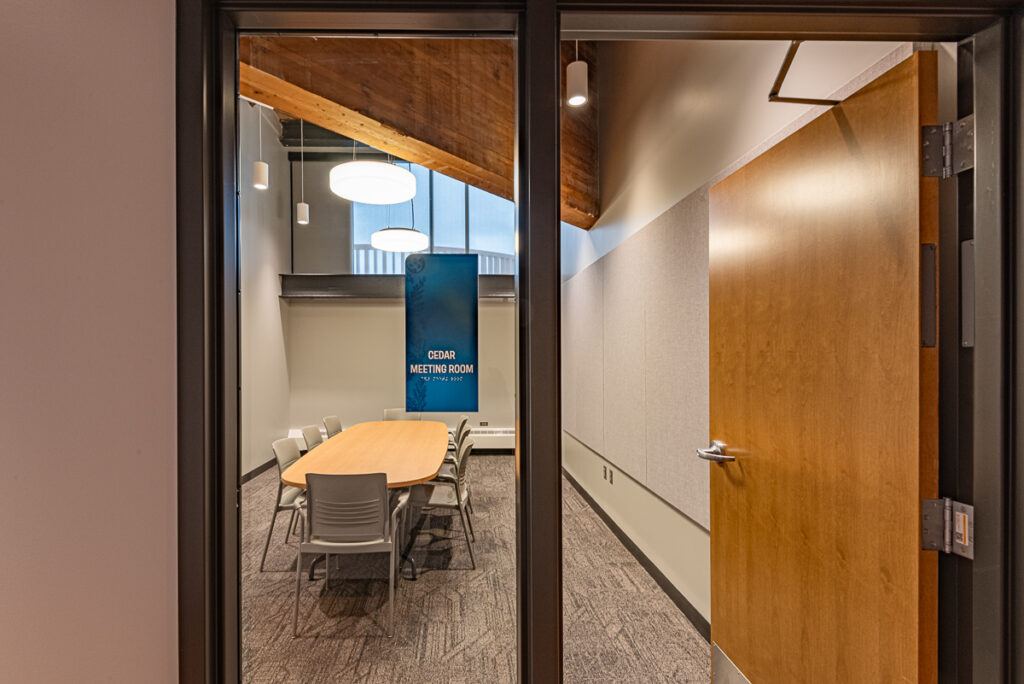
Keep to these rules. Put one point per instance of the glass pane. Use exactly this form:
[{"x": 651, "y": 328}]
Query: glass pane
[
  {"x": 367, "y": 218},
  {"x": 449, "y": 214},
  {"x": 492, "y": 231}
]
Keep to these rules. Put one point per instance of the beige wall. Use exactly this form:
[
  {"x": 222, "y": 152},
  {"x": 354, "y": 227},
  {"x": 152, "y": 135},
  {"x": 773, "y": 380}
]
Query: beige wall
[
  {"x": 87, "y": 342},
  {"x": 347, "y": 357},
  {"x": 264, "y": 220}
]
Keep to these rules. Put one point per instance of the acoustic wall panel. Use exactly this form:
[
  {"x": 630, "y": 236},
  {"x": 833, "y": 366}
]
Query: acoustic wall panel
[
  {"x": 675, "y": 286},
  {"x": 588, "y": 337},
  {"x": 624, "y": 423},
  {"x": 635, "y": 356}
]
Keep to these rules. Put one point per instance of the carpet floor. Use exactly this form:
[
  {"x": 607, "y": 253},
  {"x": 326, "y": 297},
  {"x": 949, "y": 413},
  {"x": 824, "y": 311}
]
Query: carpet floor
[{"x": 455, "y": 624}]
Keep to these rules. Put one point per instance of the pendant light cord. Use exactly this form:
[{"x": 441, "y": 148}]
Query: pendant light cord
[
  {"x": 577, "y": 50},
  {"x": 302, "y": 161},
  {"x": 412, "y": 205},
  {"x": 260, "y": 110}
]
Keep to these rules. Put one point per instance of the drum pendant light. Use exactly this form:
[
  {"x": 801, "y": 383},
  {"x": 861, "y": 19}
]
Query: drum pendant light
[
  {"x": 372, "y": 182},
  {"x": 576, "y": 81},
  {"x": 260, "y": 169},
  {"x": 302, "y": 209},
  {"x": 396, "y": 239}
]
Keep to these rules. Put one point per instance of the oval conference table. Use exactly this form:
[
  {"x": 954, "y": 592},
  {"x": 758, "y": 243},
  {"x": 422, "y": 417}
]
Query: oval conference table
[{"x": 409, "y": 452}]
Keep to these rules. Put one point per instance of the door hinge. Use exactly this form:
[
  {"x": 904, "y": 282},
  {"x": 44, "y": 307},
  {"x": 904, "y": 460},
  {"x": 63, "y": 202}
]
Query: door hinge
[
  {"x": 947, "y": 149},
  {"x": 947, "y": 526}
]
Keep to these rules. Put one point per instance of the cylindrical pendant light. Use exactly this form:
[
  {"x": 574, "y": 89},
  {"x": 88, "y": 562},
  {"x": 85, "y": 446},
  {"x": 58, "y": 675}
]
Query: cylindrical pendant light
[
  {"x": 261, "y": 169},
  {"x": 576, "y": 81},
  {"x": 302, "y": 209}
]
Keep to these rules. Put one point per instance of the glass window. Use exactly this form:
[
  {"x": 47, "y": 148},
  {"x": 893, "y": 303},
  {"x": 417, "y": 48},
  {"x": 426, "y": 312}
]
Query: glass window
[
  {"x": 492, "y": 231},
  {"x": 449, "y": 214},
  {"x": 367, "y": 218}
]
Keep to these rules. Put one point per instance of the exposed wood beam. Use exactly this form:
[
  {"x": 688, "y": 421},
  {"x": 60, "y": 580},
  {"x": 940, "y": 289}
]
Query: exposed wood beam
[
  {"x": 281, "y": 94},
  {"x": 445, "y": 104}
]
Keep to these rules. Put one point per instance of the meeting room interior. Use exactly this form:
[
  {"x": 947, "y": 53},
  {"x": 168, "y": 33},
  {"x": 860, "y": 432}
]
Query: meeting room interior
[{"x": 377, "y": 336}]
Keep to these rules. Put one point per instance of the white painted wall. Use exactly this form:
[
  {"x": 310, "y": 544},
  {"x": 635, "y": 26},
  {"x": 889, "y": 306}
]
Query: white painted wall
[
  {"x": 264, "y": 219},
  {"x": 347, "y": 357},
  {"x": 324, "y": 245},
  {"x": 87, "y": 342}
]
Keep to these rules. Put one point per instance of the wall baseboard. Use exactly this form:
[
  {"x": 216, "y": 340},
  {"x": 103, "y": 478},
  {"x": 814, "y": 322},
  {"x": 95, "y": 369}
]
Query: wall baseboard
[
  {"x": 509, "y": 451},
  {"x": 691, "y": 613},
  {"x": 258, "y": 470}
]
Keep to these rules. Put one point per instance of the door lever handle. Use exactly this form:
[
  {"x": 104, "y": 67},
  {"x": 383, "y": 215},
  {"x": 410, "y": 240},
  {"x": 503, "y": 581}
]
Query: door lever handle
[{"x": 714, "y": 453}]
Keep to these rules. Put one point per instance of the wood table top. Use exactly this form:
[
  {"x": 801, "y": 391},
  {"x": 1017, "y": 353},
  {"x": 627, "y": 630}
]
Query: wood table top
[{"x": 408, "y": 451}]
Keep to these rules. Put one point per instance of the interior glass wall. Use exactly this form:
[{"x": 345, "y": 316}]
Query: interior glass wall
[
  {"x": 673, "y": 118},
  {"x": 441, "y": 108}
]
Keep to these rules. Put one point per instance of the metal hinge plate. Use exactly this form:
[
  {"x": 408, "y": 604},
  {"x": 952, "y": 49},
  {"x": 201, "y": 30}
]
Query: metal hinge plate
[
  {"x": 947, "y": 526},
  {"x": 947, "y": 149}
]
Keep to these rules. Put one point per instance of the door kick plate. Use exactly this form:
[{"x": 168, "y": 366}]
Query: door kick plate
[{"x": 724, "y": 670}]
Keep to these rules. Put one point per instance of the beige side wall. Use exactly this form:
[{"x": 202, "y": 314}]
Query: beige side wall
[
  {"x": 87, "y": 342},
  {"x": 264, "y": 221}
]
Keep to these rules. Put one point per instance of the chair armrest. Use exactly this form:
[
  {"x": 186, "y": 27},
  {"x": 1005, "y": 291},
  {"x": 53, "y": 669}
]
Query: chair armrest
[{"x": 446, "y": 478}]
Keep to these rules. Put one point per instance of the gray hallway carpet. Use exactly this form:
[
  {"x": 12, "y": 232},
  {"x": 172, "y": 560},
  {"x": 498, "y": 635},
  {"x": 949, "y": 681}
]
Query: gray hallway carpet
[{"x": 455, "y": 624}]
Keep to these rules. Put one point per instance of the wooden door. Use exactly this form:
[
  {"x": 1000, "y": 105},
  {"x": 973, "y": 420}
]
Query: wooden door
[{"x": 822, "y": 390}]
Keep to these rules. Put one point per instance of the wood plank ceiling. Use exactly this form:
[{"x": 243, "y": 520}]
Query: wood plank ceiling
[{"x": 446, "y": 104}]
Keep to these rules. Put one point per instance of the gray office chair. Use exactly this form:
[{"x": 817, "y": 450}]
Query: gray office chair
[
  {"x": 333, "y": 425},
  {"x": 289, "y": 498},
  {"x": 311, "y": 435},
  {"x": 455, "y": 439},
  {"x": 348, "y": 514},
  {"x": 450, "y": 489},
  {"x": 400, "y": 414}
]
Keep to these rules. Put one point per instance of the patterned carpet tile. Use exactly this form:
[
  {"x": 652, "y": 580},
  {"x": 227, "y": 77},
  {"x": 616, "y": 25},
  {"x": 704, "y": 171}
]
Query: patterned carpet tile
[{"x": 455, "y": 624}]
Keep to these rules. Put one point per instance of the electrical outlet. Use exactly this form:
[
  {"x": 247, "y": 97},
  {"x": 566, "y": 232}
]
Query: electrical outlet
[
  {"x": 611, "y": 477},
  {"x": 484, "y": 423},
  {"x": 605, "y": 469}
]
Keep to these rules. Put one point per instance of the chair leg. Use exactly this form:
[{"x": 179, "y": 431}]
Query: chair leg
[
  {"x": 298, "y": 586},
  {"x": 465, "y": 528},
  {"x": 270, "y": 531},
  {"x": 472, "y": 534},
  {"x": 469, "y": 504},
  {"x": 291, "y": 526},
  {"x": 391, "y": 591}
]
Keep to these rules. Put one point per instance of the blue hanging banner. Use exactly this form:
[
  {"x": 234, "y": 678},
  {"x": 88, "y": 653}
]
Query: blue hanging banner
[{"x": 441, "y": 300}]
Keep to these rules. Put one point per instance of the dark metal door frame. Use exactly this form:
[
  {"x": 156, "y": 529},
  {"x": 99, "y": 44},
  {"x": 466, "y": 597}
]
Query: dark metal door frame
[{"x": 208, "y": 520}]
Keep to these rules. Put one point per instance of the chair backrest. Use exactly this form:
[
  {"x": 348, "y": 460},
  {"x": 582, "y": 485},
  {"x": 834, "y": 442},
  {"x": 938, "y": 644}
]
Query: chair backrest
[
  {"x": 399, "y": 414},
  {"x": 461, "y": 428},
  {"x": 311, "y": 433},
  {"x": 333, "y": 425},
  {"x": 459, "y": 439},
  {"x": 462, "y": 461},
  {"x": 347, "y": 508},
  {"x": 286, "y": 451}
]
